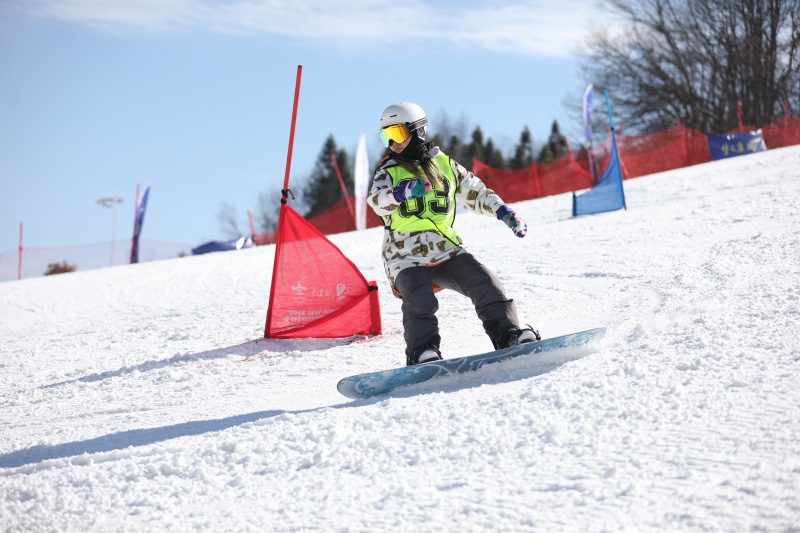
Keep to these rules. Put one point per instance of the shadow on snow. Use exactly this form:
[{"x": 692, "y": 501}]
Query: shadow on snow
[
  {"x": 488, "y": 375},
  {"x": 246, "y": 351}
]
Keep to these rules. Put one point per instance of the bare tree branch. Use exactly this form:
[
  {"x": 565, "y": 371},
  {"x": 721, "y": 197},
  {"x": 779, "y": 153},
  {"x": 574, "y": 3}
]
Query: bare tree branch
[{"x": 694, "y": 59}]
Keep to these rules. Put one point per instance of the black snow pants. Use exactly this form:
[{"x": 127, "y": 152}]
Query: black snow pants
[{"x": 465, "y": 275}]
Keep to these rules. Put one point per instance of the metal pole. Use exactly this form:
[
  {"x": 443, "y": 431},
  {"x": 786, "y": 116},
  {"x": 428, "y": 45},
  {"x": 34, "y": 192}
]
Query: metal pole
[
  {"x": 135, "y": 216},
  {"x": 111, "y": 202},
  {"x": 19, "y": 255}
]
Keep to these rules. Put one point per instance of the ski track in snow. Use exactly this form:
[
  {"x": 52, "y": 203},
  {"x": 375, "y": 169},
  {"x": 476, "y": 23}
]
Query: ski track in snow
[{"x": 145, "y": 398}]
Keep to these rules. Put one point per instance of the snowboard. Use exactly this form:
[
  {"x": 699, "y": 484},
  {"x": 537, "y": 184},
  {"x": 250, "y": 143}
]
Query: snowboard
[{"x": 387, "y": 381}]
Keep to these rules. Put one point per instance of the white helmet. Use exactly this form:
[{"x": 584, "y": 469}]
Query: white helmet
[{"x": 409, "y": 114}]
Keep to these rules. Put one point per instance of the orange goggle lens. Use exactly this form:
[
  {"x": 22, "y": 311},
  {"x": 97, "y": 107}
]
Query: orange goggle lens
[{"x": 397, "y": 133}]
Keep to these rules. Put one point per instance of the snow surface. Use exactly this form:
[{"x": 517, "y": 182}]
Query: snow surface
[{"x": 145, "y": 398}]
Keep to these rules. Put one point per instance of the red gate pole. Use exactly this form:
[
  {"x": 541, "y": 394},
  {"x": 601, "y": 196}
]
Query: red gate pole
[
  {"x": 291, "y": 130},
  {"x": 344, "y": 189},
  {"x": 284, "y": 200},
  {"x": 252, "y": 227}
]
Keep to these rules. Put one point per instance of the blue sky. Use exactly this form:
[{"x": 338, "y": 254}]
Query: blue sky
[{"x": 194, "y": 97}]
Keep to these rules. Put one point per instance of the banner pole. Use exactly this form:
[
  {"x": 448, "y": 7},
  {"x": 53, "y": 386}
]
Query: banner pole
[
  {"x": 135, "y": 216},
  {"x": 19, "y": 258},
  {"x": 615, "y": 147},
  {"x": 587, "y": 126},
  {"x": 284, "y": 200}
]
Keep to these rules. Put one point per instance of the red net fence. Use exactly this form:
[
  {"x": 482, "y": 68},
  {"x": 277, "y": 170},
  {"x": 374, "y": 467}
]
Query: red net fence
[
  {"x": 640, "y": 156},
  {"x": 36, "y": 261},
  {"x": 675, "y": 148},
  {"x": 535, "y": 181},
  {"x": 336, "y": 219}
]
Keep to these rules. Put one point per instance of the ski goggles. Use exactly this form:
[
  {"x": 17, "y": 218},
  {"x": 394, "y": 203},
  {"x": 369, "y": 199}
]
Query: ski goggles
[{"x": 396, "y": 132}]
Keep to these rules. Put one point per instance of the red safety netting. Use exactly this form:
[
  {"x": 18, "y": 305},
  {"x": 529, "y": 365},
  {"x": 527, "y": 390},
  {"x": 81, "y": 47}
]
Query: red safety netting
[
  {"x": 511, "y": 185},
  {"x": 563, "y": 175},
  {"x": 675, "y": 148},
  {"x": 36, "y": 259},
  {"x": 316, "y": 291},
  {"x": 639, "y": 156},
  {"x": 783, "y": 132},
  {"x": 538, "y": 180},
  {"x": 336, "y": 219},
  {"x": 338, "y": 216}
]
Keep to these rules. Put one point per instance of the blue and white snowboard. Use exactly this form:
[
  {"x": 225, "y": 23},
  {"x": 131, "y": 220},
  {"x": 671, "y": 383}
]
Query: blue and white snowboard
[{"x": 377, "y": 383}]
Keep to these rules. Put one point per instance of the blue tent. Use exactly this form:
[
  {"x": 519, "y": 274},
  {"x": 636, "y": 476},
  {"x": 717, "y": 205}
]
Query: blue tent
[
  {"x": 608, "y": 194},
  {"x": 223, "y": 246}
]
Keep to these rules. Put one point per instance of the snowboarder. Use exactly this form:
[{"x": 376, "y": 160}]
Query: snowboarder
[{"x": 414, "y": 191}]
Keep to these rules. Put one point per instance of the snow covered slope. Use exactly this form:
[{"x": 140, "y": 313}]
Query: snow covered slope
[{"x": 144, "y": 398}]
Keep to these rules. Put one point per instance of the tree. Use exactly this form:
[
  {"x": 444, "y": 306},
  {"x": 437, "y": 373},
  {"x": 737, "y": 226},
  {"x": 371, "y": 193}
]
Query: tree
[
  {"x": 448, "y": 136},
  {"x": 694, "y": 59},
  {"x": 475, "y": 148},
  {"x": 485, "y": 152},
  {"x": 322, "y": 189},
  {"x": 555, "y": 147},
  {"x": 456, "y": 148},
  {"x": 229, "y": 221},
  {"x": 269, "y": 209},
  {"x": 60, "y": 268},
  {"x": 523, "y": 152},
  {"x": 493, "y": 156}
]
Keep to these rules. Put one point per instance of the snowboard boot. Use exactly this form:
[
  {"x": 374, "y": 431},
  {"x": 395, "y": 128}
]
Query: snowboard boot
[
  {"x": 516, "y": 336},
  {"x": 425, "y": 354}
]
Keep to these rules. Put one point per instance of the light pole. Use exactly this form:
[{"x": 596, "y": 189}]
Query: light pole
[{"x": 111, "y": 202}]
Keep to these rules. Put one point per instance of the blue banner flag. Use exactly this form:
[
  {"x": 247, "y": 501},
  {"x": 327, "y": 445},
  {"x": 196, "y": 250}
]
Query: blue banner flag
[
  {"x": 608, "y": 193},
  {"x": 725, "y": 146},
  {"x": 587, "y": 114},
  {"x": 587, "y": 127},
  {"x": 137, "y": 228}
]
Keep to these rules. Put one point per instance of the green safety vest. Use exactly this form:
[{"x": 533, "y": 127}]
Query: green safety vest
[{"x": 436, "y": 211}]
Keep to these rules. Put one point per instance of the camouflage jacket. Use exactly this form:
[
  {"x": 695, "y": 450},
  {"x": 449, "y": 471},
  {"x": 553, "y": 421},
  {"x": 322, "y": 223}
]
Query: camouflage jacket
[{"x": 432, "y": 243}]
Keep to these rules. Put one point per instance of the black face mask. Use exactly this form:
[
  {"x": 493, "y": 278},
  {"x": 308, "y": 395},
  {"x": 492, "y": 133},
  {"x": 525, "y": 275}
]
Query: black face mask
[{"x": 415, "y": 150}]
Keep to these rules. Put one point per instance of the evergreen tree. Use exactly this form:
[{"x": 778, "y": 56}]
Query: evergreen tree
[
  {"x": 493, "y": 156},
  {"x": 555, "y": 147},
  {"x": 229, "y": 221},
  {"x": 456, "y": 150},
  {"x": 269, "y": 206},
  {"x": 523, "y": 153},
  {"x": 448, "y": 137},
  {"x": 546, "y": 154},
  {"x": 436, "y": 140},
  {"x": 475, "y": 148},
  {"x": 322, "y": 188}
]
